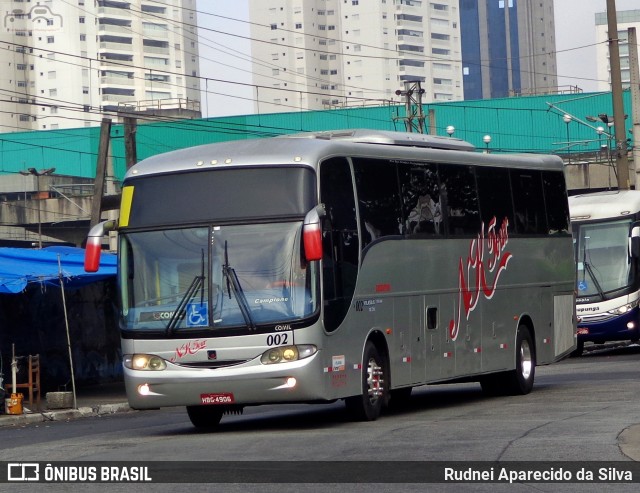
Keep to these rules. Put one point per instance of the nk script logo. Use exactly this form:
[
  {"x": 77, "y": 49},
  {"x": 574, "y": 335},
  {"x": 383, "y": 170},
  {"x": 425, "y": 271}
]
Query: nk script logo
[{"x": 23, "y": 471}]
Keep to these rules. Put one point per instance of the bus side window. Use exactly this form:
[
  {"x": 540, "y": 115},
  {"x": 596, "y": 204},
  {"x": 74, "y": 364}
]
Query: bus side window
[
  {"x": 494, "y": 194},
  {"x": 378, "y": 199},
  {"x": 340, "y": 240},
  {"x": 528, "y": 199},
  {"x": 555, "y": 199},
  {"x": 421, "y": 199},
  {"x": 459, "y": 200}
]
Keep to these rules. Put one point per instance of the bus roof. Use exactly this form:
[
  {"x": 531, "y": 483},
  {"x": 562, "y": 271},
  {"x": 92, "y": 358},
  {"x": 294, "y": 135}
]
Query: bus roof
[
  {"x": 310, "y": 147},
  {"x": 610, "y": 204}
]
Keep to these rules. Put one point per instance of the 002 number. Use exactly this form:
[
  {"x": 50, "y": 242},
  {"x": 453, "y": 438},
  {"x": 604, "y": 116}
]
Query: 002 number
[{"x": 278, "y": 339}]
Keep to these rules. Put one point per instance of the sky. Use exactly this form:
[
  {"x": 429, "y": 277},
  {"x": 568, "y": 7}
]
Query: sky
[{"x": 225, "y": 58}]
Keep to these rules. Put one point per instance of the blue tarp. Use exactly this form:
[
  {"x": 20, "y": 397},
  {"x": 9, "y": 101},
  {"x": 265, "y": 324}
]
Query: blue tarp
[{"x": 20, "y": 266}]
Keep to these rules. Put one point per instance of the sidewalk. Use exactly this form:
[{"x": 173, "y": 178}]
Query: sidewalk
[{"x": 90, "y": 401}]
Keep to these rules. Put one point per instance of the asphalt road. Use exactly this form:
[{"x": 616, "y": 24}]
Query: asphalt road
[{"x": 576, "y": 412}]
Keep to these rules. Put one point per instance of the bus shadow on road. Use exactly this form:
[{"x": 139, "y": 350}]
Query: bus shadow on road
[
  {"x": 611, "y": 349},
  {"x": 303, "y": 417}
]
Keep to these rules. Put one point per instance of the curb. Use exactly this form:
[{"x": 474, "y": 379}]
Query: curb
[
  {"x": 629, "y": 442},
  {"x": 63, "y": 414}
]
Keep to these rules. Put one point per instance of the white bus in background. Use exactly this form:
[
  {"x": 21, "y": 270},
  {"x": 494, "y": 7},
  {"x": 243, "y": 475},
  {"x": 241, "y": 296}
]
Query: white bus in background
[
  {"x": 606, "y": 232},
  {"x": 349, "y": 265}
]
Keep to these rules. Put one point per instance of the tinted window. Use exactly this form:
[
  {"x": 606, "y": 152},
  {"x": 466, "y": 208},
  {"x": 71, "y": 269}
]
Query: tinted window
[
  {"x": 494, "y": 193},
  {"x": 528, "y": 200},
  {"x": 459, "y": 201},
  {"x": 420, "y": 199},
  {"x": 221, "y": 195},
  {"x": 340, "y": 240},
  {"x": 378, "y": 199},
  {"x": 555, "y": 198}
]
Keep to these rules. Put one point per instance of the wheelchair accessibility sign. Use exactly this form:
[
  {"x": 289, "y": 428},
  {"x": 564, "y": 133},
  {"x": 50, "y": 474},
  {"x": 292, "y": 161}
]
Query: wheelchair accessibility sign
[{"x": 197, "y": 314}]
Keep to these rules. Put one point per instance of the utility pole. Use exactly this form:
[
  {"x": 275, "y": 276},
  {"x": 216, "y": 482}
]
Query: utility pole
[
  {"x": 130, "y": 150},
  {"x": 635, "y": 99},
  {"x": 101, "y": 168},
  {"x": 622, "y": 162},
  {"x": 414, "y": 115}
]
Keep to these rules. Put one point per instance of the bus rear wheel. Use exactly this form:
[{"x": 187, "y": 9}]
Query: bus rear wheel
[
  {"x": 205, "y": 417},
  {"x": 520, "y": 380},
  {"x": 375, "y": 377}
]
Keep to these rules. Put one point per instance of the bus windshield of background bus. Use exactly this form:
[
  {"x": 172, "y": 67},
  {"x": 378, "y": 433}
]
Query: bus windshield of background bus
[
  {"x": 253, "y": 274},
  {"x": 603, "y": 260}
]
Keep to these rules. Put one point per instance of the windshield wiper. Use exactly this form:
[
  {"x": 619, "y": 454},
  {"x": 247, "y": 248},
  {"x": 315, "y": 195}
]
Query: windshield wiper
[
  {"x": 592, "y": 274},
  {"x": 233, "y": 284},
  {"x": 196, "y": 284}
]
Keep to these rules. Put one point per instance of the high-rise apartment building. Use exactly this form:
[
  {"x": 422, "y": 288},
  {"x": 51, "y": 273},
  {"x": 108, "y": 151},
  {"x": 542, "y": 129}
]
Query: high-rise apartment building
[
  {"x": 626, "y": 19},
  {"x": 508, "y": 48},
  {"x": 319, "y": 54},
  {"x": 64, "y": 62}
]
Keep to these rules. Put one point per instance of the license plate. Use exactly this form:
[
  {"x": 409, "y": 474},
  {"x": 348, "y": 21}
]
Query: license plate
[{"x": 217, "y": 399}]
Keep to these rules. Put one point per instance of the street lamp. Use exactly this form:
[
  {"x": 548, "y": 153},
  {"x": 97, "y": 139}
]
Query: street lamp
[
  {"x": 38, "y": 174},
  {"x": 567, "y": 119},
  {"x": 487, "y": 140},
  {"x": 450, "y": 130}
]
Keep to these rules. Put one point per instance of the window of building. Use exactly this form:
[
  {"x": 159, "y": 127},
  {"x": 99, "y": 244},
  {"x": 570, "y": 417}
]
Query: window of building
[
  {"x": 409, "y": 17},
  {"x": 443, "y": 37},
  {"x": 153, "y": 9},
  {"x": 50, "y": 39}
]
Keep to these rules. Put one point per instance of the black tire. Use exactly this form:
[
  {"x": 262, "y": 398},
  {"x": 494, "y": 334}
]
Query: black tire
[
  {"x": 579, "y": 349},
  {"x": 205, "y": 417},
  {"x": 518, "y": 381},
  {"x": 375, "y": 377}
]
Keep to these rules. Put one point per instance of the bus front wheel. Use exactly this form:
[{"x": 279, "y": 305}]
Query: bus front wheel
[
  {"x": 205, "y": 417},
  {"x": 375, "y": 377}
]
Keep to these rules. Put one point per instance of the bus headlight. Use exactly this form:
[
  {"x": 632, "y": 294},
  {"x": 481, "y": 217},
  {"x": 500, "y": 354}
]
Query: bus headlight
[
  {"x": 621, "y": 310},
  {"x": 286, "y": 354},
  {"x": 145, "y": 362}
]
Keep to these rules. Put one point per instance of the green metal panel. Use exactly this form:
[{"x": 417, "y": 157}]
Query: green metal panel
[{"x": 522, "y": 124}]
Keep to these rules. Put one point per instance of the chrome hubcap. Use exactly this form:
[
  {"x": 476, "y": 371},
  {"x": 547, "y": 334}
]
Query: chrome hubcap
[
  {"x": 375, "y": 382},
  {"x": 526, "y": 360}
]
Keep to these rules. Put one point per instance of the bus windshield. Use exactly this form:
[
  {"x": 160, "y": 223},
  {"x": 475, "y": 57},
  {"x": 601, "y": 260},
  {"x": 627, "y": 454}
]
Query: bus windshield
[
  {"x": 603, "y": 260},
  {"x": 215, "y": 277}
]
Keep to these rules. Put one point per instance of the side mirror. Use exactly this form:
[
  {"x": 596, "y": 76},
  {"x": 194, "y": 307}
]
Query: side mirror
[
  {"x": 312, "y": 234},
  {"x": 94, "y": 245}
]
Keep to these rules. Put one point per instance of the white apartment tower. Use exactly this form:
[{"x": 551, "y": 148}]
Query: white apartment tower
[
  {"x": 626, "y": 19},
  {"x": 66, "y": 62},
  {"x": 319, "y": 54}
]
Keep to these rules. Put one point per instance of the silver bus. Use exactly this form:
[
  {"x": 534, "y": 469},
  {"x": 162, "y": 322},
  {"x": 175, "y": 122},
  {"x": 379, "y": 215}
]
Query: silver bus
[
  {"x": 349, "y": 265},
  {"x": 606, "y": 230}
]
